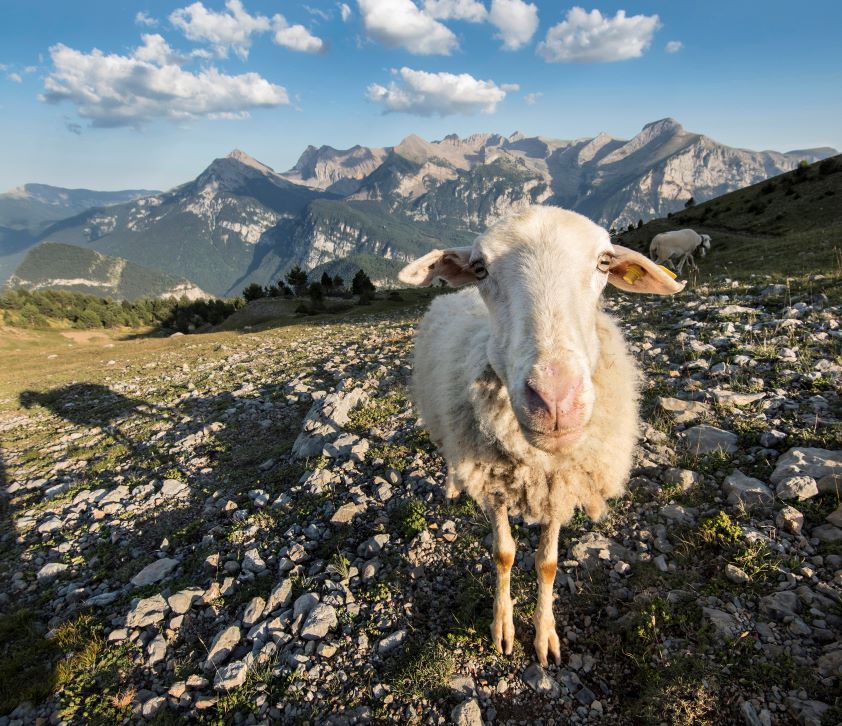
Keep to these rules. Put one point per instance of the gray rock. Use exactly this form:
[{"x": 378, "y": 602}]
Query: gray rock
[
  {"x": 151, "y": 707},
  {"x": 320, "y": 620},
  {"x": 231, "y": 676},
  {"x": 254, "y": 611},
  {"x": 683, "y": 478},
  {"x": 156, "y": 651},
  {"x": 467, "y": 713},
  {"x": 830, "y": 664},
  {"x": 104, "y": 598},
  {"x": 174, "y": 489},
  {"x": 678, "y": 513},
  {"x": 50, "y": 571},
  {"x": 835, "y": 517},
  {"x": 683, "y": 411},
  {"x": 391, "y": 642},
  {"x": 183, "y": 600},
  {"x": 372, "y": 547},
  {"x": 827, "y": 533},
  {"x": 736, "y": 575},
  {"x": 724, "y": 624},
  {"x": 154, "y": 572},
  {"x": 593, "y": 547},
  {"x": 252, "y": 561},
  {"x": 222, "y": 645},
  {"x": 732, "y": 398},
  {"x": 304, "y": 604},
  {"x": 280, "y": 596},
  {"x": 463, "y": 686},
  {"x": 779, "y": 605},
  {"x": 540, "y": 681},
  {"x": 770, "y": 439},
  {"x": 790, "y": 520},
  {"x": 817, "y": 463},
  {"x": 147, "y": 611},
  {"x": 704, "y": 439},
  {"x": 346, "y": 513},
  {"x": 741, "y": 488},
  {"x": 797, "y": 487}
]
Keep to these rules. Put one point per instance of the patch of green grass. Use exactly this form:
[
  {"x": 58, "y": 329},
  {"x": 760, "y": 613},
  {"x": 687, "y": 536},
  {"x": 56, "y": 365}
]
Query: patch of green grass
[
  {"x": 423, "y": 670},
  {"x": 26, "y": 661},
  {"x": 376, "y": 411},
  {"x": 410, "y": 518}
]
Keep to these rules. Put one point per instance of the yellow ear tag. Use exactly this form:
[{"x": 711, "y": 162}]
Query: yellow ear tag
[
  {"x": 633, "y": 274},
  {"x": 668, "y": 271}
]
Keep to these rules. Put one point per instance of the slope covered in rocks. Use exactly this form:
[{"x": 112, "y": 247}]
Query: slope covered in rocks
[{"x": 250, "y": 527}]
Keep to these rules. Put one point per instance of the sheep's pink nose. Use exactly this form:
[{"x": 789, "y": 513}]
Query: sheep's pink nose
[{"x": 553, "y": 394}]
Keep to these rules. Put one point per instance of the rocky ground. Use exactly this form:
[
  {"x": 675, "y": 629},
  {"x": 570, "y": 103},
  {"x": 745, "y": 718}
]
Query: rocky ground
[{"x": 254, "y": 531}]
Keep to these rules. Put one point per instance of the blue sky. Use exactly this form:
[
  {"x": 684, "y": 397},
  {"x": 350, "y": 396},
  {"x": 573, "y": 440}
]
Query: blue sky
[{"x": 108, "y": 95}]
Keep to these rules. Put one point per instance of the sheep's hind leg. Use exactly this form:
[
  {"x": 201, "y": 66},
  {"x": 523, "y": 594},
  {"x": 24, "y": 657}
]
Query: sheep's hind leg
[
  {"x": 546, "y": 564},
  {"x": 502, "y": 627}
]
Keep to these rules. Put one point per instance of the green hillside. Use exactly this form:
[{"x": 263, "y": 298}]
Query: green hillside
[
  {"x": 377, "y": 268},
  {"x": 51, "y": 265},
  {"x": 790, "y": 224}
]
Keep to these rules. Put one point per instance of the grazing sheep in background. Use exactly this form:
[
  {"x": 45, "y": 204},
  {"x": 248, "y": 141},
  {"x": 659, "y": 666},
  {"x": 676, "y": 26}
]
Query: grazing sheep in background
[
  {"x": 681, "y": 244},
  {"x": 527, "y": 386}
]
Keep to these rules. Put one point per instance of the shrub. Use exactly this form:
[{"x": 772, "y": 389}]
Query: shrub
[
  {"x": 297, "y": 280},
  {"x": 253, "y": 292},
  {"x": 362, "y": 283}
]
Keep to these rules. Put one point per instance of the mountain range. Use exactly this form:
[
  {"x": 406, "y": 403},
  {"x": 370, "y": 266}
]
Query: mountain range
[{"x": 374, "y": 208}]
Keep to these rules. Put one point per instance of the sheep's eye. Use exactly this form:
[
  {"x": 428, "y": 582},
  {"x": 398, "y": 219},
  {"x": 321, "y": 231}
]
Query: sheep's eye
[
  {"x": 604, "y": 263},
  {"x": 478, "y": 268}
]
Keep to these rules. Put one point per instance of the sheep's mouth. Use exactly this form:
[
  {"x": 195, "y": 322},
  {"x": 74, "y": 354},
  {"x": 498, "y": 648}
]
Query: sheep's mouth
[{"x": 553, "y": 439}]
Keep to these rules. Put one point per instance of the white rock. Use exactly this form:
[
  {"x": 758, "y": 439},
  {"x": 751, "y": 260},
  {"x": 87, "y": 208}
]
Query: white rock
[
  {"x": 51, "y": 571},
  {"x": 704, "y": 439},
  {"x": 797, "y": 487},
  {"x": 224, "y": 642},
  {"x": 253, "y": 611},
  {"x": 741, "y": 488},
  {"x": 147, "y": 611},
  {"x": 320, "y": 620},
  {"x": 183, "y": 600},
  {"x": 154, "y": 572},
  {"x": 817, "y": 463},
  {"x": 391, "y": 642},
  {"x": 467, "y": 713},
  {"x": 231, "y": 676}
]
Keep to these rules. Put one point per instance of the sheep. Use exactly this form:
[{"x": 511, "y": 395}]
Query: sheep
[
  {"x": 526, "y": 386},
  {"x": 681, "y": 243}
]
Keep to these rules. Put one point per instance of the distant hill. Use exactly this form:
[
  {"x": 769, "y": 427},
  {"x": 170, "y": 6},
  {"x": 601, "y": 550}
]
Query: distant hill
[
  {"x": 789, "y": 224},
  {"x": 29, "y": 209},
  {"x": 66, "y": 267}
]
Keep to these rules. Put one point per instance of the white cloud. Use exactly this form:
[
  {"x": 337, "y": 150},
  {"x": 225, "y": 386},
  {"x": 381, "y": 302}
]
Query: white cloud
[
  {"x": 674, "y": 46},
  {"x": 470, "y": 10},
  {"x": 30, "y": 69},
  {"x": 530, "y": 99},
  {"x": 295, "y": 37},
  {"x": 143, "y": 18},
  {"x": 223, "y": 31},
  {"x": 345, "y": 11},
  {"x": 399, "y": 23},
  {"x": 116, "y": 90},
  {"x": 515, "y": 20},
  {"x": 590, "y": 37},
  {"x": 15, "y": 78},
  {"x": 442, "y": 94}
]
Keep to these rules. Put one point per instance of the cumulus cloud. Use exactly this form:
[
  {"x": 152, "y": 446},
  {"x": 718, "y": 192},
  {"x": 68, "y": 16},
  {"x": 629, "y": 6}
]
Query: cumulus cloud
[
  {"x": 143, "y": 18},
  {"x": 345, "y": 12},
  {"x": 399, "y": 23},
  {"x": 515, "y": 20},
  {"x": 530, "y": 99},
  {"x": 441, "y": 94},
  {"x": 295, "y": 37},
  {"x": 590, "y": 37},
  {"x": 674, "y": 46},
  {"x": 224, "y": 31},
  {"x": 470, "y": 10},
  {"x": 149, "y": 84},
  {"x": 15, "y": 78},
  {"x": 30, "y": 69}
]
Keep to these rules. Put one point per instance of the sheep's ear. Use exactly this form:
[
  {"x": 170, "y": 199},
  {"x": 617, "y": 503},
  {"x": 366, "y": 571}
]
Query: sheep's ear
[
  {"x": 449, "y": 265},
  {"x": 633, "y": 272}
]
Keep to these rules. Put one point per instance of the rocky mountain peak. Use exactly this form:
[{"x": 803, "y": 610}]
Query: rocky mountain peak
[{"x": 244, "y": 158}]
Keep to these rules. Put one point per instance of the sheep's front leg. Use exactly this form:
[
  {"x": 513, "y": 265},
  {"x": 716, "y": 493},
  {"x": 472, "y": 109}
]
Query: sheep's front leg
[
  {"x": 502, "y": 627},
  {"x": 546, "y": 564}
]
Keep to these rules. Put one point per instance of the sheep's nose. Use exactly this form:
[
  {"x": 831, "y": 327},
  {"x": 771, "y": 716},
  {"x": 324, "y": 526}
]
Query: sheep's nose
[{"x": 553, "y": 393}]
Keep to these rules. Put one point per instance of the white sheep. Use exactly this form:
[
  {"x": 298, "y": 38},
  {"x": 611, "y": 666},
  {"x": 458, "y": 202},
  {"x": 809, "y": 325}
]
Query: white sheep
[
  {"x": 679, "y": 244},
  {"x": 526, "y": 385}
]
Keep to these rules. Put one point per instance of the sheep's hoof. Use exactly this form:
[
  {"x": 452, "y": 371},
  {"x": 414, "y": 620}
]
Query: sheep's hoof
[
  {"x": 503, "y": 634},
  {"x": 546, "y": 642}
]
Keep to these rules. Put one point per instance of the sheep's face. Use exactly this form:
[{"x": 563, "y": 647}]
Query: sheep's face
[
  {"x": 704, "y": 247},
  {"x": 541, "y": 275}
]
